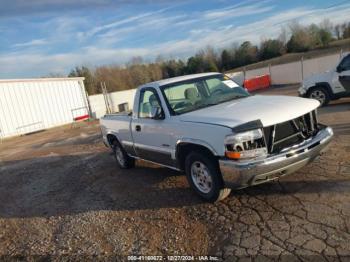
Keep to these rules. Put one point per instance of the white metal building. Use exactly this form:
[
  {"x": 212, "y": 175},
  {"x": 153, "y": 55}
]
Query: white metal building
[{"x": 29, "y": 105}]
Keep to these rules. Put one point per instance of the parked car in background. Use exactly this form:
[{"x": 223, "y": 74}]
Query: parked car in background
[
  {"x": 216, "y": 132},
  {"x": 330, "y": 85}
]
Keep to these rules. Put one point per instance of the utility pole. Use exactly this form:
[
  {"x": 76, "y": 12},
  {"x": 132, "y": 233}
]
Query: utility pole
[{"x": 302, "y": 68}]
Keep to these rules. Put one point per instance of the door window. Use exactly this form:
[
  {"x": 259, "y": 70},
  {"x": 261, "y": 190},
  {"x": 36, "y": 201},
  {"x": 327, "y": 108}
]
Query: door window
[
  {"x": 345, "y": 64},
  {"x": 148, "y": 100}
]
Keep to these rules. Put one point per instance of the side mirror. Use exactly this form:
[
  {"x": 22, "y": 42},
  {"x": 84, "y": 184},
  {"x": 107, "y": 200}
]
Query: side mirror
[
  {"x": 339, "y": 68},
  {"x": 156, "y": 113}
]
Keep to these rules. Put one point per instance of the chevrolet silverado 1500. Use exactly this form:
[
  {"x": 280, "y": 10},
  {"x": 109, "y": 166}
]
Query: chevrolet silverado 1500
[{"x": 216, "y": 132}]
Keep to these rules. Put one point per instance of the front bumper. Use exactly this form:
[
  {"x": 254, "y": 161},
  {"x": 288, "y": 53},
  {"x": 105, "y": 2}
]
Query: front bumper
[{"x": 240, "y": 174}]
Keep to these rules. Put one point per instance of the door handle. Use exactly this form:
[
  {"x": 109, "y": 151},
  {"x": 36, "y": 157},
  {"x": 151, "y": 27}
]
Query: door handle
[{"x": 138, "y": 128}]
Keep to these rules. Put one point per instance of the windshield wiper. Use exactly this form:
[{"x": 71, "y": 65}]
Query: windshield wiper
[
  {"x": 194, "y": 108},
  {"x": 231, "y": 98},
  {"x": 206, "y": 105}
]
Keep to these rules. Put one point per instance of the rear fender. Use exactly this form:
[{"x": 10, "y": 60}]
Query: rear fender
[{"x": 110, "y": 136}]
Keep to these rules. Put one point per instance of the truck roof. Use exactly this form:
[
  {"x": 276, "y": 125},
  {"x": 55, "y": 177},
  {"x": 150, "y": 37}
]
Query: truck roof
[{"x": 179, "y": 79}]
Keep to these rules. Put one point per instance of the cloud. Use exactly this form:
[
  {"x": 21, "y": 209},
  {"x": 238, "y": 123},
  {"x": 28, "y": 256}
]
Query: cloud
[
  {"x": 11, "y": 8},
  {"x": 121, "y": 22},
  {"x": 35, "y": 42},
  {"x": 141, "y": 29},
  {"x": 196, "y": 32},
  {"x": 266, "y": 28},
  {"x": 243, "y": 9},
  {"x": 158, "y": 21},
  {"x": 24, "y": 7},
  {"x": 238, "y": 11},
  {"x": 38, "y": 64}
]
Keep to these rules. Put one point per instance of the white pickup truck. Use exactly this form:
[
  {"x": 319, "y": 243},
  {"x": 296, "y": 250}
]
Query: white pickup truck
[{"x": 215, "y": 131}]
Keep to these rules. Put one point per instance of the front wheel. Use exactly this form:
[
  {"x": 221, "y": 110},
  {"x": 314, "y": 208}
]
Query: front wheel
[
  {"x": 320, "y": 94},
  {"x": 122, "y": 158},
  {"x": 204, "y": 176}
]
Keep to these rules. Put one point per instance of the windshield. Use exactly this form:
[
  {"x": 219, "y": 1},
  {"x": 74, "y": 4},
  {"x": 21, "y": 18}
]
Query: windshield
[{"x": 183, "y": 97}]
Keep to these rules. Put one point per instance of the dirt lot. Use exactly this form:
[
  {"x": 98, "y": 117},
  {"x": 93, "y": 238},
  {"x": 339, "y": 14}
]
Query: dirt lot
[{"x": 62, "y": 194}]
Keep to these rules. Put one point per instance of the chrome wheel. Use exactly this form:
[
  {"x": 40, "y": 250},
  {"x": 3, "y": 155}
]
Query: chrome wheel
[
  {"x": 201, "y": 177},
  {"x": 318, "y": 95},
  {"x": 119, "y": 156}
]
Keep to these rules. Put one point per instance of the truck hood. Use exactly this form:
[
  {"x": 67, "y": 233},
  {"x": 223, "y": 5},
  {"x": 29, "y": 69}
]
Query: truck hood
[{"x": 269, "y": 110}]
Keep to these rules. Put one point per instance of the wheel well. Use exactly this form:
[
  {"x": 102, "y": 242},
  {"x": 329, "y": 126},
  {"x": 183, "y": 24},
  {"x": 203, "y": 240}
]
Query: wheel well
[
  {"x": 184, "y": 149},
  {"x": 323, "y": 85},
  {"x": 111, "y": 138}
]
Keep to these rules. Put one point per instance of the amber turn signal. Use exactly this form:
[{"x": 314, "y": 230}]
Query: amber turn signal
[{"x": 233, "y": 155}]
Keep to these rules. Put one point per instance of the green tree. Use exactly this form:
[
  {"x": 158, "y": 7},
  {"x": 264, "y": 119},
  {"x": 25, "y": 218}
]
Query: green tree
[
  {"x": 210, "y": 66},
  {"x": 346, "y": 30},
  {"x": 90, "y": 83},
  {"x": 172, "y": 68},
  {"x": 195, "y": 65},
  {"x": 271, "y": 48},
  {"x": 320, "y": 35},
  {"x": 325, "y": 37},
  {"x": 299, "y": 43},
  {"x": 337, "y": 31},
  {"x": 300, "y": 40},
  {"x": 314, "y": 32},
  {"x": 226, "y": 60},
  {"x": 246, "y": 54}
]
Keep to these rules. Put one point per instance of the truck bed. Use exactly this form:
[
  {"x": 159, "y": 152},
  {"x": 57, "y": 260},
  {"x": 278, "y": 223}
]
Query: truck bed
[{"x": 119, "y": 124}]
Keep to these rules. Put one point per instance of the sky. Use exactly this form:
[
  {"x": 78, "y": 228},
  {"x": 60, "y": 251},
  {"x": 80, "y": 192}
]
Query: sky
[{"x": 42, "y": 37}]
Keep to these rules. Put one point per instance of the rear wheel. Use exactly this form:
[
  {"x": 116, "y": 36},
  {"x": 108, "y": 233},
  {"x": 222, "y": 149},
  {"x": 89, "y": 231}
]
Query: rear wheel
[
  {"x": 204, "y": 176},
  {"x": 122, "y": 158},
  {"x": 321, "y": 94}
]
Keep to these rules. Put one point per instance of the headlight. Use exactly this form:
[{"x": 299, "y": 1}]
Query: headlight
[{"x": 249, "y": 144}]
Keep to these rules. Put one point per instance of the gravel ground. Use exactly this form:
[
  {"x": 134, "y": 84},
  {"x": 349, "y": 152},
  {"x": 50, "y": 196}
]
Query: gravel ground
[{"x": 62, "y": 195}]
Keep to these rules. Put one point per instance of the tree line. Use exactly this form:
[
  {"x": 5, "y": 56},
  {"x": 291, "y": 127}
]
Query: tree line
[{"x": 292, "y": 39}]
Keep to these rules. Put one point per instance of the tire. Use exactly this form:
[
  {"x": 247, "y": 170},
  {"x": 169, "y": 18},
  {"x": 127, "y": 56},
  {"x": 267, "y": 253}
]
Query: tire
[
  {"x": 204, "y": 176},
  {"x": 123, "y": 160},
  {"x": 321, "y": 94}
]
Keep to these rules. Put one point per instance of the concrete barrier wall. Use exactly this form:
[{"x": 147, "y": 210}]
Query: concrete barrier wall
[
  {"x": 294, "y": 72},
  {"x": 286, "y": 73},
  {"x": 257, "y": 72},
  {"x": 320, "y": 64}
]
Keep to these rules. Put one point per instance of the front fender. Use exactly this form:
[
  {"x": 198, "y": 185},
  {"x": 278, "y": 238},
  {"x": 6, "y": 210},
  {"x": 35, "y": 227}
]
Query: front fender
[{"x": 195, "y": 142}]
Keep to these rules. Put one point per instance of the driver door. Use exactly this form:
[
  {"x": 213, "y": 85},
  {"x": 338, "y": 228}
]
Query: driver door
[{"x": 151, "y": 135}]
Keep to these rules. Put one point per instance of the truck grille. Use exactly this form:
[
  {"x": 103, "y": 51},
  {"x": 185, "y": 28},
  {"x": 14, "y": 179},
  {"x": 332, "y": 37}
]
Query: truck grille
[{"x": 292, "y": 132}]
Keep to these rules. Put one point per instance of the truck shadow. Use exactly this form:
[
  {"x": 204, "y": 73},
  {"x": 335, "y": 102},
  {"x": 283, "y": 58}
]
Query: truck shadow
[
  {"x": 67, "y": 185},
  {"x": 341, "y": 129},
  {"x": 342, "y": 105}
]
